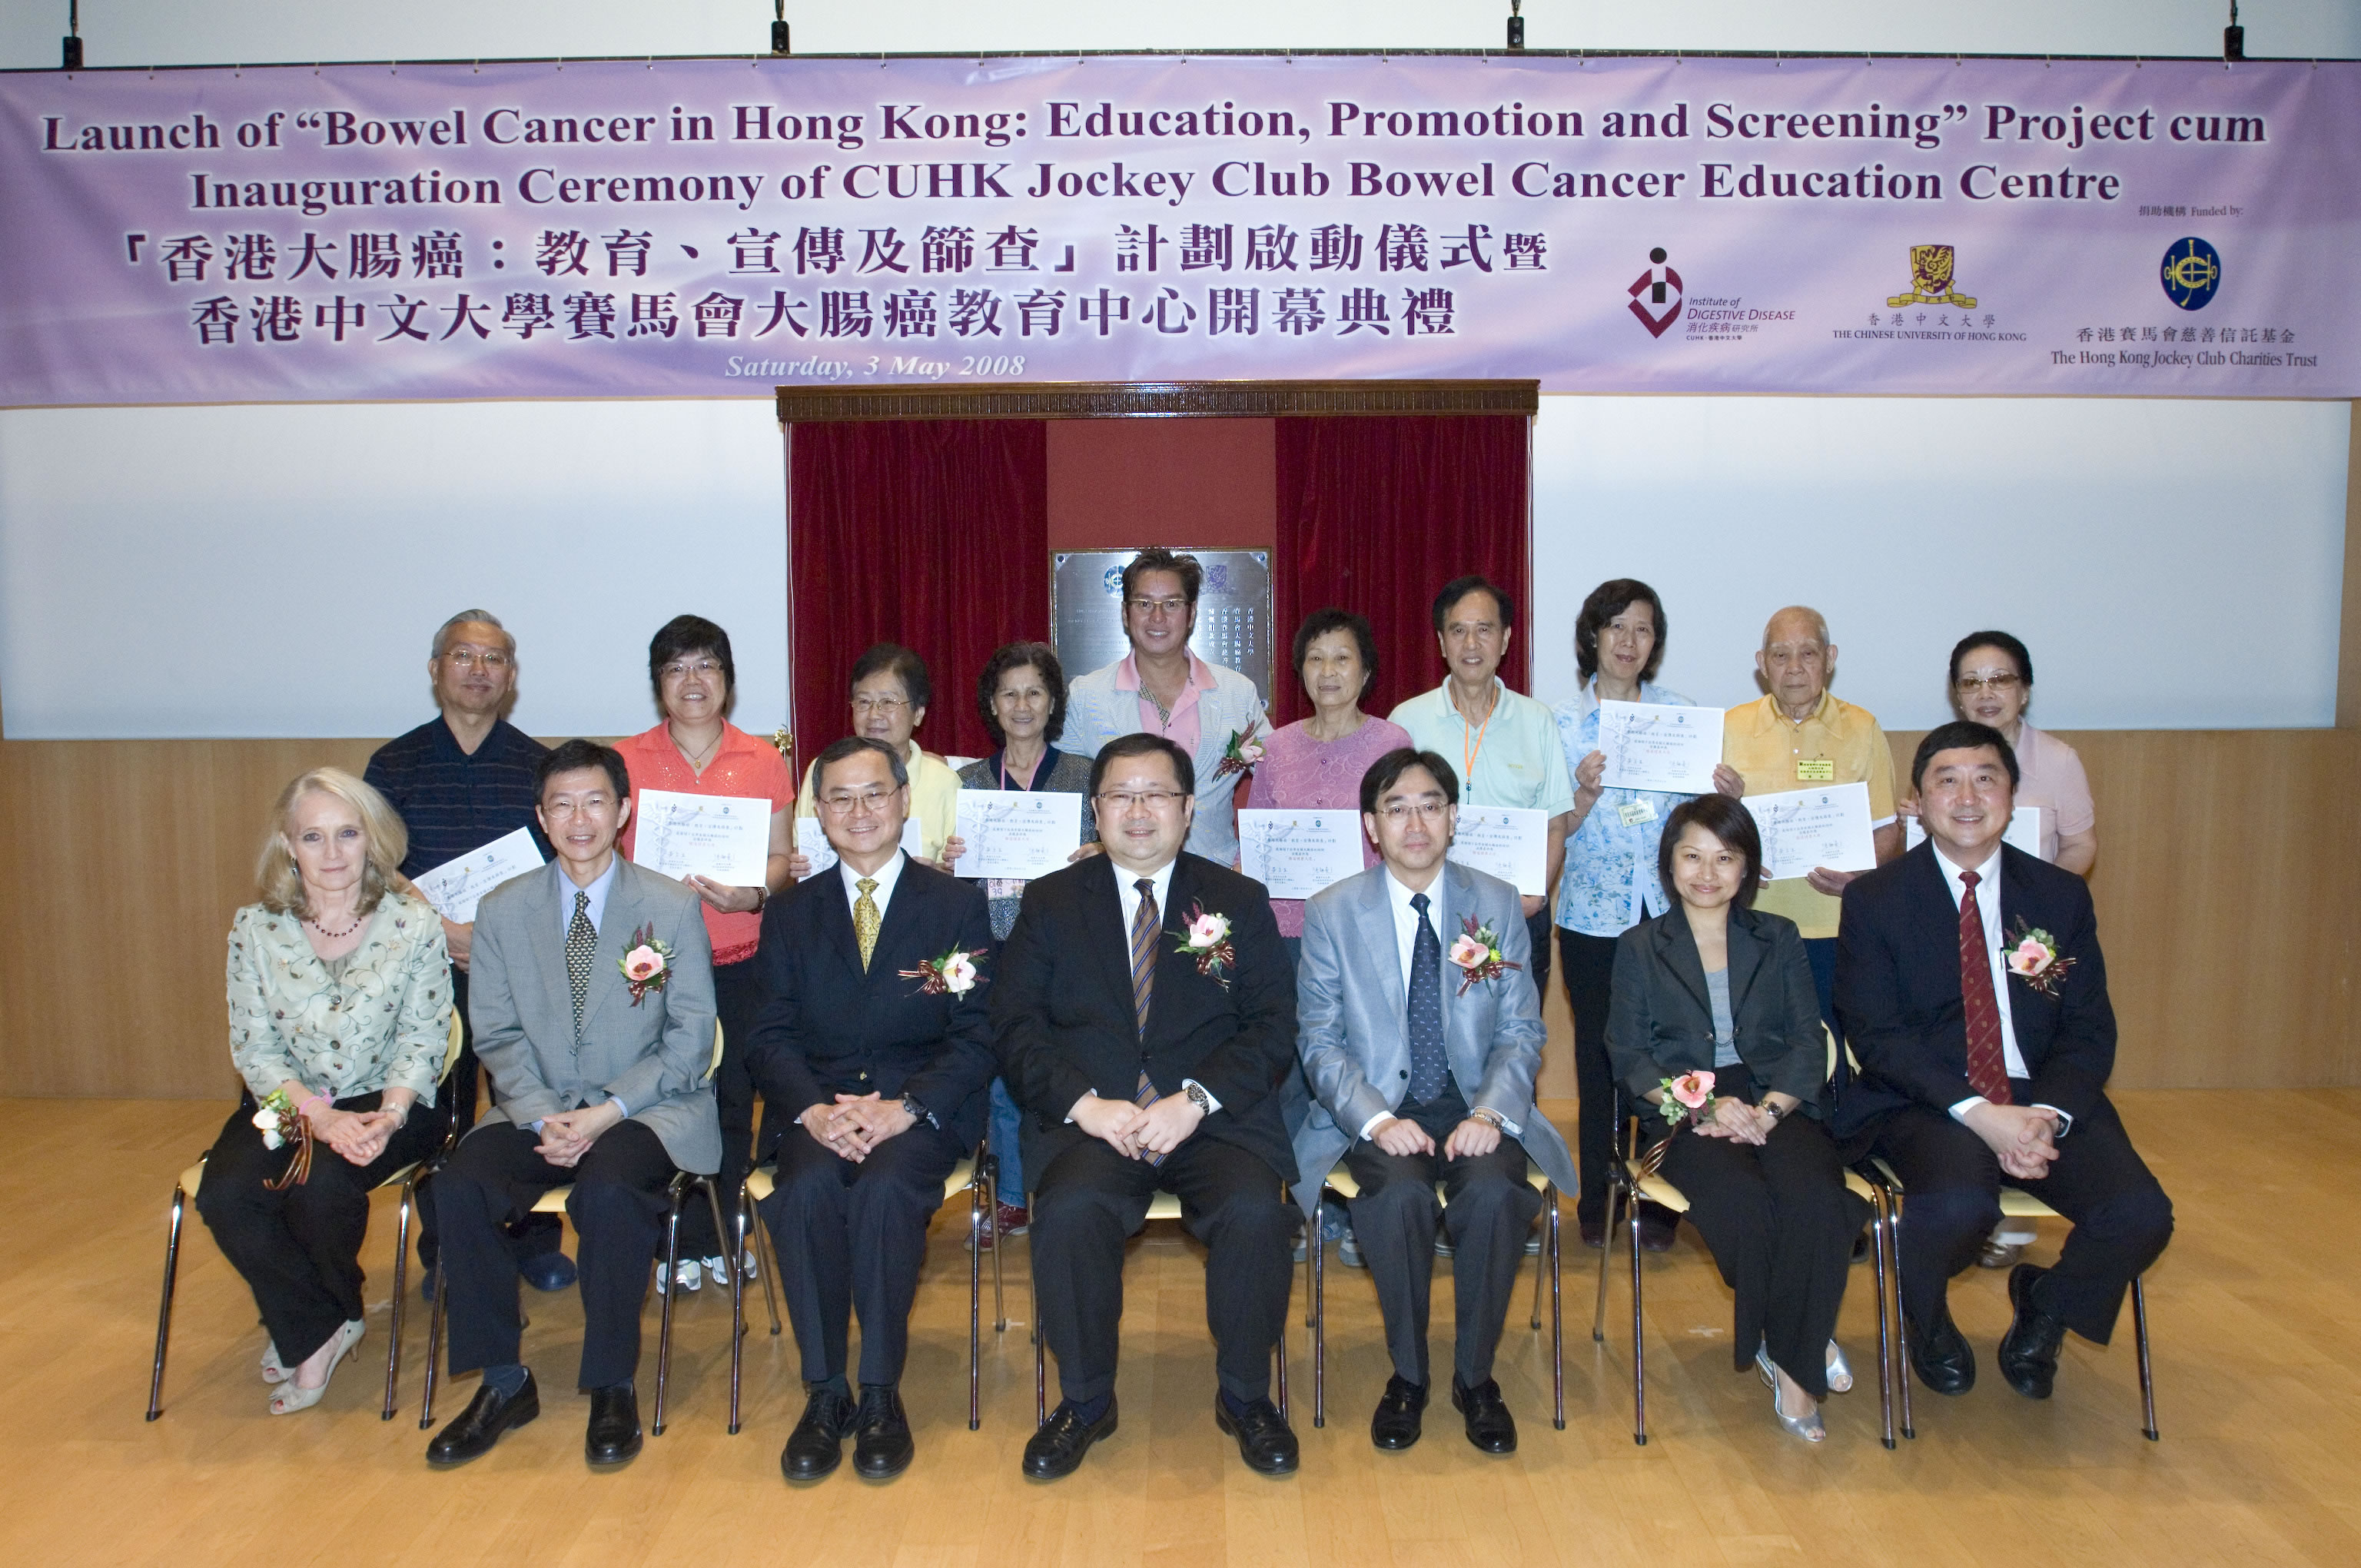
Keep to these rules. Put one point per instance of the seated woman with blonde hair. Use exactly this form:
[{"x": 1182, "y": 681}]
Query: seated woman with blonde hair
[{"x": 339, "y": 1015}]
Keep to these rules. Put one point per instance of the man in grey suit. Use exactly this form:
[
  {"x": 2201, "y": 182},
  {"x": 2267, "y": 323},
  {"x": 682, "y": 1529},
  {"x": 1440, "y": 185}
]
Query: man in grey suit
[
  {"x": 601, "y": 1066},
  {"x": 1421, "y": 1036}
]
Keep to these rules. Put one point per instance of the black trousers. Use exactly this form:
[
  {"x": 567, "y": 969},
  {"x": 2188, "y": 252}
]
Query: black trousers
[
  {"x": 852, "y": 1237},
  {"x": 1780, "y": 1224},
  {"x": 1589, "y": 989},
  {"x": 738, "y": 997},
  {"x": 1090, "y": 1199},
  {"x": 1537, "y": 930},
  {"x": 1485, "y": 1209},
  {"x": 533, "y": 1234},
  {"x": 299, "y": 1250},
  {"x": 2122, "y": 1218},
  {"x": 618, "y": 1207}
]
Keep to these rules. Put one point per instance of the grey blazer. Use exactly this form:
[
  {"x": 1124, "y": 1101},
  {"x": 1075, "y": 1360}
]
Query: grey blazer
[
  {"x": 1352, "y": 1023},
  {"x": 655, "y": 1058}
]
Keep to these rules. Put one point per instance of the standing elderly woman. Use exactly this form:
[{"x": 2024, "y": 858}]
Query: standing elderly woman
[
  {"x": 1021, "y": 695},
  {"x": 891, "y": 689},
  {"x": 1610, "y": 883},
  {"x": 340, "y": 1006},
  {"x": 1718, "y": 987}
]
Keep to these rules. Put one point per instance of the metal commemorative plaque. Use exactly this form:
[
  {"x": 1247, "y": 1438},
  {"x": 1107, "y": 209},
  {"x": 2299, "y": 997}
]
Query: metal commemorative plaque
[{"x": 1233, "y": 610}]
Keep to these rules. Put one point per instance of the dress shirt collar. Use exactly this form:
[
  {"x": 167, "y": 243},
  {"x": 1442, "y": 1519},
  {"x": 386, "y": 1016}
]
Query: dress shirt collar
[
  {"x": 1129, "y": 895},
  {"x": 1398, "y": 899},
  {"x": 1987, "y": 882},
  {"x": 1126, "y": 672},
  {"x": 885, "y": 875},
  {"x": 597, "y": 890}
]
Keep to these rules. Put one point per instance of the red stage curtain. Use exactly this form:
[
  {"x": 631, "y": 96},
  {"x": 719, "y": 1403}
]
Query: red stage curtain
[
  {"x": 933, "y": 533},
  {"x": 1375, "y": 515}
]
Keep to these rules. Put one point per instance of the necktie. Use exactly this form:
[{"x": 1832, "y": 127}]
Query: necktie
[
  {"x": 581, "y": 946},
  {"x": 1987, "y": 1067},
  {"x": 865, "y": 920},
  {"x": 1430, "y": 1068},
  {"x": 1143, "y": 928}
]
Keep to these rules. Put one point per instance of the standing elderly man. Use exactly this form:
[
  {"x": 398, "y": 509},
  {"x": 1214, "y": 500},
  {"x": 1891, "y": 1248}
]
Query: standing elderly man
[
  {"x": 459, "y": 782},
  {"x": 1162, "y": 688},
  {"x": 1797, "y": 735},
  {"x": 1504, "y": 742}
]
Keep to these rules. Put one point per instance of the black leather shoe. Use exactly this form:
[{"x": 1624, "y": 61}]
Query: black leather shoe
[
  {"x": 1940, "y": 1352},
  {"x": 613, "y": 1435},
  {"x": 1265, "y": 1441},
  {"x": 1489, "y": 1426},
  {"x": 1399, "y": 1414},
  {"x": 817, "y": 1445},
  {"x": 1056, "y": 1451},
  {"x": 1657, "y": 1228},
  {"x": 881, "y": 1433},
  {"x": 471, "y": 1433},
  {"x": 2028, "y": 1352}
]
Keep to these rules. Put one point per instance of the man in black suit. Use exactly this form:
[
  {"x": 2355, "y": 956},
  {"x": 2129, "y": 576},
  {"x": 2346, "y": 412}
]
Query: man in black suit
[
  {"x": 875, "y": 1038},
  {"x": 1972, "y": 987},
  {"x": 1145, "y": 1013}
]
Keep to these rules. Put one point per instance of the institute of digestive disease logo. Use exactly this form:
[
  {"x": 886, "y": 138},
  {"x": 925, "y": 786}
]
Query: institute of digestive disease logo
[
  {"x": 2191, "y": 271},
  {"x": 1656, "y": 295},
  {"x": 1931, "y": 271}
]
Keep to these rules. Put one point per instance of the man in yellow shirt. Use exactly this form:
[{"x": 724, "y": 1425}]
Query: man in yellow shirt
[{"x": 1797, "y": 735}]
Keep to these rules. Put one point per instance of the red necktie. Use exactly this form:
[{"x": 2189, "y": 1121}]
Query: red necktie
[{"x": 1987, "y": 1067}]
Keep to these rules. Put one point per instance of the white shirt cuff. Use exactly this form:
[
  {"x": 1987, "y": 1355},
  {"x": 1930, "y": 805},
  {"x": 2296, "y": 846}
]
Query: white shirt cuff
[
  {"x": 1371, "y": 1125},
  {"x": 2065, "y": 1122},
  {"x": 1960, "y": 1112},
  {"x": 1212, "y": 1104}
]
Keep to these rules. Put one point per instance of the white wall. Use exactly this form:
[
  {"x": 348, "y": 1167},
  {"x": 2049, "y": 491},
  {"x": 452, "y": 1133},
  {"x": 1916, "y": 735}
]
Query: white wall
[{"x": 253, "y": 540}]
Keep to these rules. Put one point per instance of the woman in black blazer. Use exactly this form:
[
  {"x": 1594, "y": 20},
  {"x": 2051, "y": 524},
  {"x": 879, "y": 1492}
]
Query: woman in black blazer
[{"x": 1714, "y": 986}]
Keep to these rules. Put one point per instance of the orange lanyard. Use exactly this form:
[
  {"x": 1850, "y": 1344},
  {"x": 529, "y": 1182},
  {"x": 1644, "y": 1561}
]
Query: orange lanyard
[{"x": 1469, "y": 751}]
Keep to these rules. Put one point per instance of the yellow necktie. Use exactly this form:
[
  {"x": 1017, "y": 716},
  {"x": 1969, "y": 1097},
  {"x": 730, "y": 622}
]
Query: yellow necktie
[{"x": 865, "y": 920}]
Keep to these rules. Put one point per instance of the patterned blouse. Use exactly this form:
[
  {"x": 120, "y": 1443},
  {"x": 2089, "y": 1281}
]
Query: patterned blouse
[
  {"x": 1300, "y": 774},
  {"x": 1059, "y": 772},
  {"x": 1610, "y": 883},
  {"x": 384, "y": 1024}
]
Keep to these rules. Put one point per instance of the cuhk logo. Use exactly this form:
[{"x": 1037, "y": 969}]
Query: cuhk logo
[
  {"x": 2191, "y": 271},
  {"x": 1114, "y": 581},
  {"x": 1656, "y": 296}
]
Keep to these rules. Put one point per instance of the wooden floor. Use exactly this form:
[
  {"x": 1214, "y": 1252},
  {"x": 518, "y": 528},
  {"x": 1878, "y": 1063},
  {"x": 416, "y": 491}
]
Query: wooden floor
[{"x": 2255, "y": 1315}]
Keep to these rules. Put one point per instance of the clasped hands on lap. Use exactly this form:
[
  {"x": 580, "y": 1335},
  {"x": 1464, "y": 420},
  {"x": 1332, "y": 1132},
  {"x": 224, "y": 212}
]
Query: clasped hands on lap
[
  {"x": 358, "y": 1137},
  {"x": 567, "y": 1137},
  {"x": 1402, "y": 1137},
  {"x": 1136, "y": 1133},
  {"x": 855, "y": 1123},
  {"x": 2023, "y": 1139}
]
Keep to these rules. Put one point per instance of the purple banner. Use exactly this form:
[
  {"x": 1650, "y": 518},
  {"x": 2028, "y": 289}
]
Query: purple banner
[{"x": 713, "y": 228}]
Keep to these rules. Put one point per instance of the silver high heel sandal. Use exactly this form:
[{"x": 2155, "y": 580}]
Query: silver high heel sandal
[
  {"x": 1840, "y": 1371},
  {"x": 273, "y": 1369},
  {"x": 1811, "y": 1429},
  {"x": 292, "y": 1397}
]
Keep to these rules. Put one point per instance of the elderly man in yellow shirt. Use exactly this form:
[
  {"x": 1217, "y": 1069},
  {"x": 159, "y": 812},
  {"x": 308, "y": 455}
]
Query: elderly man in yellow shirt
[{"x": 1799, "y": 735}]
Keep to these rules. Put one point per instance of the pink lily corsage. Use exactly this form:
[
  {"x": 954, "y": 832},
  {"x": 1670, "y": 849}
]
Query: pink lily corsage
[
  {"x": 1243, "y": 750},
  {"x": 953, "y": 974},
  {"x": 1476, "y": 951},
  {"x": 646, "y": 964},
  {"x": 2033, "y": 958},
  {"x": 1208, "y": 941}
]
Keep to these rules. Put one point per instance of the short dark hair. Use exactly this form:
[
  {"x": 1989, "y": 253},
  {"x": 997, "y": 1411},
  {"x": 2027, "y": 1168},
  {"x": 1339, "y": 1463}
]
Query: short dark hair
[
  {"x": 2000, "y": 640},
  {"x": 1458, "y": 588},
  {"x": 1143, "y": 744},
  {"x": 893, "y": 658},
  {"x": 1043, "y": 660},
  {"x": 1156, "y": 558},
  {"x": 684, "y": 635},
  {"x": 575, "y": 755},
  {"x": 1607, "y": 601},
  {"x": 1962, "y": 735},
  {"x": 1320, "y": 623},
  {"x": 852, "y": 746},
  {"x": 1725, "y": 820},
  {"x": 1387, "y": 770}
]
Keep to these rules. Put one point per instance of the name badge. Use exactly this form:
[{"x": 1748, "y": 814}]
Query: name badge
[
  {"x": 1634, "y": 813},
  {"x": 1815, "y": 770}
]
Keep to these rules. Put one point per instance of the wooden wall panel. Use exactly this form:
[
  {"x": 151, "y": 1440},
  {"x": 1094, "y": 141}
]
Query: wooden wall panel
[{"x": 2225, "y": 864}]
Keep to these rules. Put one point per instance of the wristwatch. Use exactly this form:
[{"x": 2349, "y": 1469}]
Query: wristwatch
[
  {"x": 919, "y": 1113},
  {"x": 1485, "y": 1113},
  {"x": 1199, "y": 1098},
  {"x": 1771, "y": 1111}
]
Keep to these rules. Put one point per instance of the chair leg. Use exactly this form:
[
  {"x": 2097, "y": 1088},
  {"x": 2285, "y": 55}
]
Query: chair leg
[
  {"x": 1606, "y": 1257},
  {"x": 1040, "y": 1353},
  {"x": 434, "y": 1348},
  {"x": 1557, "y": 1315},
  {"x": 768, "y": 1251},
  {"x": 999, "y": 1300},
  {"x": 737, "y": 1236},
  {"x": 400, "y": 1289},
  {"x": 1639, "y": 1350},
  {"x": 1318, "y": 1259},
  {"x": 736, "y": 1261},
  {"x": 975, "y": 1292},
  {"x": 1539, "y": 1272},
  {"x": 1893, "y": 1206},
  {"x": 164, "y": 1307},
  {"x": 670, "y": 1293},
  {"x": 1878, "y": 1262},
  {"x": 2147, "y": 1371}
]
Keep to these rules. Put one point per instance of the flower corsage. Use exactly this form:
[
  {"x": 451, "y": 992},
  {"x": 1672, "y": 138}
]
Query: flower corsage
[
  {"x": 647, "y": 963},
  {"x": 2033, "y": 958},
  {"x": 1208, "y": 941},
  {"x": 953, "y": 974},
  {"x": 1476, "y": 951},
  {"x": 1242, "y": 751},
  {"x": 1688, "y": 1100},
  {"x": 281, "y": 1124}
]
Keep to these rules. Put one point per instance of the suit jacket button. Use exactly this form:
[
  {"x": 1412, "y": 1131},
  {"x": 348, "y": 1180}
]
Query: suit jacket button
[{"x": 1402, "y": 1074}]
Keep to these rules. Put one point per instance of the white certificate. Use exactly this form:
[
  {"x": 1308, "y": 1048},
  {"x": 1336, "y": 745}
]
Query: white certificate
[
  {"x": 1017, "y": 835},
  {"x": 1511, "y": 842},
  {"x": 822, "y": 854},
  {"x": 455, "y": 887},
  {"x": 1297, "y": 853},
  {"x": 2024, "y": 831},
  {"x": 722, "y": 837},
  {"x": 1650, "y": 745},
  {"x": 1804, "y": 829}
]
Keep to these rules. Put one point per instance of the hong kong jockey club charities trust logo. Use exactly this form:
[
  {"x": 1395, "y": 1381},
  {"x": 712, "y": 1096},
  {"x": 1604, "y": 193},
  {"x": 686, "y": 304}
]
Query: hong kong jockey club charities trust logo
[
  {"x": 1656, "y": 295},
  {"x": 1931, "y": 269},
  {"x": 2191, "y": 271}
]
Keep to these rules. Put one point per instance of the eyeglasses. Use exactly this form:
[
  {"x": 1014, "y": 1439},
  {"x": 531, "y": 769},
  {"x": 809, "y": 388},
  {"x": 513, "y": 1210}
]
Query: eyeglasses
[
  {"x": 469, "y": 659},
  {"x": 568, "y": 805},
  {"x": 679, "y": 669},
  {"x": 867, "y": 704},
  {"x": 1156, "y": 800},
  {"x": 1150, "y": 606},
  {"x": 1402, "y": 811},
  {"x": 867, "y": 803},
  {"x": 1976, "y": 685}
]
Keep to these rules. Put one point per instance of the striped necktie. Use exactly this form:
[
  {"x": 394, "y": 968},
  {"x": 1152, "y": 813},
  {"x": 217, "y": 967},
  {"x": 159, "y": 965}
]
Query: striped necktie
[
  {"x": 1987, "y": 1063},
  {"x": 1143, "y": 928}
]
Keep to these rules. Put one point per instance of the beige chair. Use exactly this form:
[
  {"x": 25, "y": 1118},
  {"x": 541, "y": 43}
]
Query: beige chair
[
  {"x": 184, "y": 1192},
  {"x": 973, "y": 1176},
  {"x": 1546, "y": 1266},
  {"x": 554, "y": 1202}
]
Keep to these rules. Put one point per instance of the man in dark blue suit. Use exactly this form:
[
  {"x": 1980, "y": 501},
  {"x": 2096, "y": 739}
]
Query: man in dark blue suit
[
  {"x": 1972, "y": 988},
  {"x": 875, "y": 1039}
]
